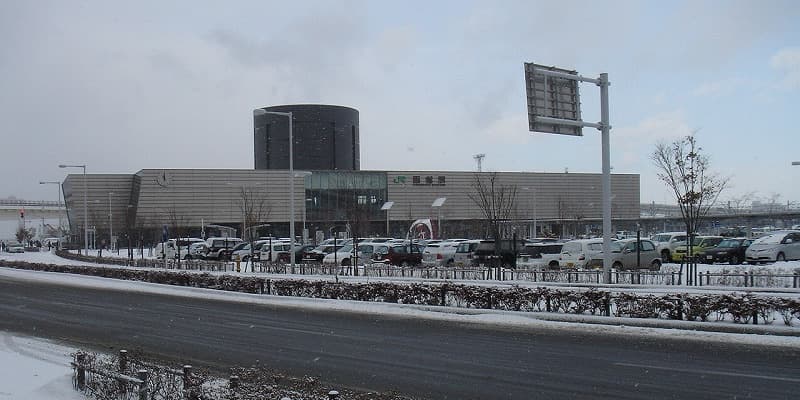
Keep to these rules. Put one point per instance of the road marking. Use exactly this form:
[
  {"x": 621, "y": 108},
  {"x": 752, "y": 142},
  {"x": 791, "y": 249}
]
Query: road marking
[{"x": 706, "y": 372}]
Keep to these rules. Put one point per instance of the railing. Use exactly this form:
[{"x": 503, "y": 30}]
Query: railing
[
  {"x": 29, "y": 203},
  {"x": 383, "y": 270},
  {"x": 105, "y": 378},
  {"x": 751, "y": 279}
]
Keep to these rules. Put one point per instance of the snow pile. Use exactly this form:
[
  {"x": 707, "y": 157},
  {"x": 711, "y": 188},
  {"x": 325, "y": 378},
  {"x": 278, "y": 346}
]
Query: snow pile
[{"x": 35, "y": 369}]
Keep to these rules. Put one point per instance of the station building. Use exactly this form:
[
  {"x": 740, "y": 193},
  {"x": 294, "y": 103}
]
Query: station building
[{"x": 332, "y": 196}]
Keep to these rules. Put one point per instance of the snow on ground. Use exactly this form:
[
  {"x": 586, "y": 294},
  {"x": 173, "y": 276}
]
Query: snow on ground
[
  {"x": 663, "y": 329},
  {"x": 35, "y": 369}
]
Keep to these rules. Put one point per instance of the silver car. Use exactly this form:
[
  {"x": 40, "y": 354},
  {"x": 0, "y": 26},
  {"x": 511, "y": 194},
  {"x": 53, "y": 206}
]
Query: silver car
[
  {"x": 624, "y": 256},
  {"x": 775, "y": 246}
]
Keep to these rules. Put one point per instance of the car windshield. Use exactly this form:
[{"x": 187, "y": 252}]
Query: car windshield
[
  {"x": 729, "y": 243},
  {"x": 770, "y": 239}
]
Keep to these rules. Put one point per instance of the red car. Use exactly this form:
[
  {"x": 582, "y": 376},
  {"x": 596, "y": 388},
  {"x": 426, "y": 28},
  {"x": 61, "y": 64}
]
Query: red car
[{"x": 402, "y": 255}]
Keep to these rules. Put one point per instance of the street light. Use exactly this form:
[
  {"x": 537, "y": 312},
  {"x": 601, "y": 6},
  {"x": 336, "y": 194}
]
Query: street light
[
  {"x": 386, "y": 207},
  {"x": 291, "y": 174},
  {"x": 85, "y": 207},
  {"x": 437, "y": 204},
  {"x": 58, "y": 203}
]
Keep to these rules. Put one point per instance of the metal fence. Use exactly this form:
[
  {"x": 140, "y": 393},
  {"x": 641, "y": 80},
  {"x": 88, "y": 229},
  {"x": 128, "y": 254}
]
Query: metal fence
[
  {"x": 383, "y": 270},
  {"x": 746, "y": 279}
]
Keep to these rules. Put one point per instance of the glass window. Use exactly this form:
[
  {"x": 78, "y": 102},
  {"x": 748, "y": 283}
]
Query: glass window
[{"x": 647, "y": 246}]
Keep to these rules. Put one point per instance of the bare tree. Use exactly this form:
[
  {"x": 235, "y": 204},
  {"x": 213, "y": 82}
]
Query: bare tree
[
  {"x": 687, "y": 173},
  {"x": 24, "y": 235},
  {"x": 255, "y": 210},
  {"x": 495, "y": 200}
]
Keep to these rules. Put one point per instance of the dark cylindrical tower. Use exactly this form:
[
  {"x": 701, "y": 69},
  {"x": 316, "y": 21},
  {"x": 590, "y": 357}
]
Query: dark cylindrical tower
[{"x": 325, "y": 137}]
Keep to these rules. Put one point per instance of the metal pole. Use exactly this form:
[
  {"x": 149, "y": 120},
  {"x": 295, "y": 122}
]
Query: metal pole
[
  {"x": 110, "y": 224},
  {"x": 606, "y": 151},
  {"x": 535, "y": 234},
  {"x": 85, "y": 214},
  {"x": 291, "y": 190}
]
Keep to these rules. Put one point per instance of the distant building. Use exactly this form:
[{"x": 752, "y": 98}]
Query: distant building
[{"x": 336, "y": 197}]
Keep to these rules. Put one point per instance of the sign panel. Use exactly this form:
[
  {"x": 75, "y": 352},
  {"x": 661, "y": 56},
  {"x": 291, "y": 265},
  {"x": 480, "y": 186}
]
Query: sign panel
[{"x": 552, "y": 97}]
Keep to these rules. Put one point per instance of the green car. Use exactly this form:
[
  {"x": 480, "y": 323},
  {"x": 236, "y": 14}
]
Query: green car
[{"x": 699, "y": 244}]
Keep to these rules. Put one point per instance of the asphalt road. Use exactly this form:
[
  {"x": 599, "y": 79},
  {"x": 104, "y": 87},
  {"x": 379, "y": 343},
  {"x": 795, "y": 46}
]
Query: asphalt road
[{"x": 424, "y": 358}]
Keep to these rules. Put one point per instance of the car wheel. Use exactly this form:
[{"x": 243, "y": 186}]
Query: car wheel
[
  {"x": 655, "y": 265},
  {"x": 404, "y": 264},
  {"x": 449, "y": 264},
  {"x": 780, "y": 257},
  {"x": 245, "y": 258},
  {"x": 553, "y": 265},
  {"x": 665, "y": 256},
  {"x": 617, "y": 265},
  {"x": 346, "y": 262},
  {"x": 735, "y": 260}
]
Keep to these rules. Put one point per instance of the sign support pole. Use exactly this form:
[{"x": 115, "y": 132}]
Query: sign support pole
[{"x": 605, "y": 127}]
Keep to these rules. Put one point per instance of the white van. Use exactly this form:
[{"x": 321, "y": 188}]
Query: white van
[
  {"x": 169, "y": 249},
  {"x": 578, "y": 253}
]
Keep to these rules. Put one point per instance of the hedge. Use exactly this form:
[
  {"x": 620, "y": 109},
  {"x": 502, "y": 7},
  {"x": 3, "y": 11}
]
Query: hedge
[{"x": 739, "y": 307}]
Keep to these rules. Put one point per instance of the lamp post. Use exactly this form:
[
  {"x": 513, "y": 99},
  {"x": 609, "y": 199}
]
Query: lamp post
[
  {"x": 85, "y": 207},
  {"x": 386, "y": 207},
  {"x": 437, "y": 204},
  {"x": 58, "y": 203},
  {"x": 291, "y": 175}
]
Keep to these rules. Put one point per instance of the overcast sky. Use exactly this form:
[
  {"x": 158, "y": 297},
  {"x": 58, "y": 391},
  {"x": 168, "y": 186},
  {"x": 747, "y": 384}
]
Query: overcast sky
[{"x": 126, "y": 85}]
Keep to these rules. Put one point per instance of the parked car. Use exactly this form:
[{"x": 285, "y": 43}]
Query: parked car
[
  {"x": 464, "y": 253},
  {"x": 197, "y": 251},
  {"x": 699, "y": 244},
  {"x": 345, "y": 256},
  {"x": 276, "y": 251},
  {"x": 15, "y": 247},
  {"x": 220, "y": 248},
  {"x": 318, "y": 253},
  {"x": 175, "y": 248},
  {"x": 729, "y": 250},
  {"x": 403, "y": 255},
  {"x": 487, "y": 252},
  {"x": 667, "y": 242},
  {"x": 624, "y": 255},
  {"x": 244, "y": 253},
  {"x": 440, "y": 254},
  {"x": 578, "y": 253},
  {"x": 540, "y": 255},
  {"x": 775, "y": 246}
]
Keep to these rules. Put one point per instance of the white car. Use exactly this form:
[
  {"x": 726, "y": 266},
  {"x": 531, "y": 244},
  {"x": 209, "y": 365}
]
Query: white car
[
  {"x": 440, "y": 254},
  {"x": 15, "y": 247},
  {"x": 169, "y": 249},
  {"x": 578, "y": 253},
  {"x": 540, "y": 255},
  {"x": 344, "y": 256},
  {"x": 667, "y": 242},
  {"x": 775, "y": 246}
]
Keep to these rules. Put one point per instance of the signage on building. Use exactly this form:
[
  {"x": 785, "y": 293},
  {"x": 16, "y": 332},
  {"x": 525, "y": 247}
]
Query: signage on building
[{"x": 420, "y": 180}]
